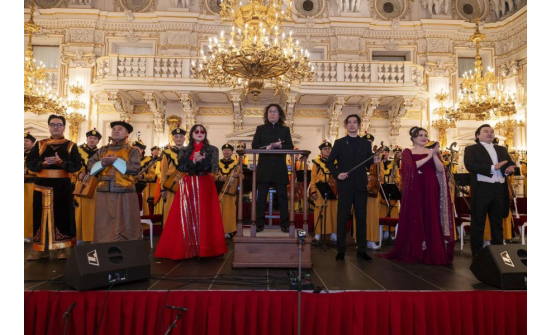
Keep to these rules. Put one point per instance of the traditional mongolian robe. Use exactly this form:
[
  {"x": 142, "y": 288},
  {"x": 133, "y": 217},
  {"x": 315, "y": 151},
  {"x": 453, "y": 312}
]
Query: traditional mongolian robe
[
  {"x": 117, "y": 208},
  {"x": 53, "y": 207},
  {"x": 29, "y": 191},
  {"x": 168, "y": 167},
  {"x": 320, "y": 173},
  {"x": 228, "y": 204},
  {"x": 85, "y": 207},
  {"x": 149, "y": 180}
]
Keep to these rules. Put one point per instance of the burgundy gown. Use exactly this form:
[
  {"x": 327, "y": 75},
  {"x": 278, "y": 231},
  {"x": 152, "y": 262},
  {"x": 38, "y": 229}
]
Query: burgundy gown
[
  {"x": 194, "y": 224},
  {"x": 426, "y": 230}
]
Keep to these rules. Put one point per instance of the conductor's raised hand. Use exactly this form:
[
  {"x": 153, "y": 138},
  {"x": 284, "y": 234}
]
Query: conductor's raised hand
[{"x": 342, "y": 176}]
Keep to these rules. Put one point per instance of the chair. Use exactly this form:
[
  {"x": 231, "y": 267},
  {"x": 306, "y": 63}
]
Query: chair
[
  {"x": 521, "y": 222},
  {"x": 390, "y": 222},
  {"x": 462, "y": 217},
  {"x": 147, "y": 221}
]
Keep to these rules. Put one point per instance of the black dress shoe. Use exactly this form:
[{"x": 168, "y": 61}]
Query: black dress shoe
[
  {"x": 363, "y": 255},
  {"x": 340, "y": 256},
  {"x": 284, "y": 229},
  {"x": 259, "y": 229}
]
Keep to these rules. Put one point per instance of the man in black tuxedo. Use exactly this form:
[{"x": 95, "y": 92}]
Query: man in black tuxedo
[
  {"x": 272, "y": 169},
  {"x": 349, "y": 151},
  {"x": 488, "y": 165}
]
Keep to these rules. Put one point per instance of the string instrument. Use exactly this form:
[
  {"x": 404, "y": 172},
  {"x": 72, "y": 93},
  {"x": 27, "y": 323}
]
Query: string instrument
[
  {"x": 375, "y": 179},
  {"x": 230, "y": 186},
  {"x": 171, "y": 183},
  {"x": 85, "y": 188},
  {"x": 142, "y": 184},
  {"x": 395, "y": 166},
  {"x": 512, "y": 193}
]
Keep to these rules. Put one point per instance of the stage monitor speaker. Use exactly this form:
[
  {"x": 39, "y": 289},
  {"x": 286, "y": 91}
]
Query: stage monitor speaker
[
  {"x": 98, "y": 265},
  {"x": 503, "y": 266}
]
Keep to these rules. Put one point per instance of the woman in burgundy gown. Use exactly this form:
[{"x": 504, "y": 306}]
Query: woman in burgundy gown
[
  {"x": 194, "y": 225},
  {"x": 426, "y": 229}
]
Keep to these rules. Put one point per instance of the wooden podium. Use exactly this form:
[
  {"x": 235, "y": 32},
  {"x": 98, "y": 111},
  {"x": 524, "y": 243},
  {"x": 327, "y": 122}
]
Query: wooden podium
[{"x": 270, "y": 252}]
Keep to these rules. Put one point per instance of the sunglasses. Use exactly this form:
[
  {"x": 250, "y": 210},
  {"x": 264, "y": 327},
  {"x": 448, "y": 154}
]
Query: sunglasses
[{"x": 196, "y": 132}]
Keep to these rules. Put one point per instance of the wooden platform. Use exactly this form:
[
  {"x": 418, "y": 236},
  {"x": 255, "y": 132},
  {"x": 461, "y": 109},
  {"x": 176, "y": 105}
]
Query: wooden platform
[{"x": 270, "y": 252}]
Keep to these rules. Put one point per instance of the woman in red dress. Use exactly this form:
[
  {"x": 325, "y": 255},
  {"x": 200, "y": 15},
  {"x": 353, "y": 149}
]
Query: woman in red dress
[
  {"x": 194, "y": 225},
  {"x": 426, "y": 229}
]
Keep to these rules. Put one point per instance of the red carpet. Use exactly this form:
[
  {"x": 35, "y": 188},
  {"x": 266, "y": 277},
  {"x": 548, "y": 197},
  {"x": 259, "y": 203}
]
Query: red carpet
[{"x": 275, "y": 312}]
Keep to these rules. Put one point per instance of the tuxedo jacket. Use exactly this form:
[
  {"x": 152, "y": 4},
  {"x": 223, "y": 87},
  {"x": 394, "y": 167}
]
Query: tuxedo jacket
[
  {"x": 342, "y": 153},
  {"x": 477, "y": 160}
]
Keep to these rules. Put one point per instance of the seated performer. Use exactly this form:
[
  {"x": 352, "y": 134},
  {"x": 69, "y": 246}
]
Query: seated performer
[
  {"x": 85, "y": 211},
  {"x": 53, "y": 159},
  {"x": 168, "y": 167},
  {"x": 194, "y": 227},
  {"x": 29, "y": 189},
  {"x": 117, "y": 207},
  {"x": 272, "y": 135},
  {"x": 426, "y": 230},
  {"x": 228, "y": 167},
  {"x": 321, "y": 174}
]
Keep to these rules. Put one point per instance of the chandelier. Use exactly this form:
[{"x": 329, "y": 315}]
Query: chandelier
[
  {"x": 75, "y": 118},
  {"x": 256, "y": 51},
  {"x": 445, "y": 120},
  {"x": 480, "y": 93},
  {"x": 39, "y": 96}
]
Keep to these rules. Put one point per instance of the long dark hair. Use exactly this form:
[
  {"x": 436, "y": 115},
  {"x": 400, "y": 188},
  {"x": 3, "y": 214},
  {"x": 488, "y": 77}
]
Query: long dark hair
[
  {"x": 415, "y": 131},
  {"x": 282, "y": 117},
  {"x": 191, "y": 145}
]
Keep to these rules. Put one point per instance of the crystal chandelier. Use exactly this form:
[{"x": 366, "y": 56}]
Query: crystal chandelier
[
  {"x": 256, "y": 51},
  {"x": 445, "y": 120},
  {"x": 39, "y": 96},
  {"x": 75, "y": 118},
  {"x": 481, "y": 94}
]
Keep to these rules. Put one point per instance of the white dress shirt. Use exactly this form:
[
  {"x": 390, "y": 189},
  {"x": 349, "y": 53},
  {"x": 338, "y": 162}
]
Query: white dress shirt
[{"x": 496, "y": 175}]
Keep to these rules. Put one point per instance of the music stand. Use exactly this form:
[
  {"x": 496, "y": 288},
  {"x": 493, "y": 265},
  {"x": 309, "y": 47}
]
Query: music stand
[
  {"x": 390, "y": 192},
  {"x": 324, "y": 189},
  {"x": 300, "y": 175}
]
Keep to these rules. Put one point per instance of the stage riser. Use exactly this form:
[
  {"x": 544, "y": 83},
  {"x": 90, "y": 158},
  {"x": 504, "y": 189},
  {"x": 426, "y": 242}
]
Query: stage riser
[{"x": 270, "y": 252}]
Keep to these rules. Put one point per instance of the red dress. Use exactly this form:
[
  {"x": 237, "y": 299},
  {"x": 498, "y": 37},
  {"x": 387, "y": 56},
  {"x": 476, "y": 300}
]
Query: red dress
[
  {"x": 194, "y": 224},
  {"x": 426, "y": 229}
]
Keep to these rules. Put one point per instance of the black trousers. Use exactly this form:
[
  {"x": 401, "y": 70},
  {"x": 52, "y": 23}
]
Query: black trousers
[
  {"x": 359, "y": 201},
  {"x": 263, "y": 189},
  {"x": 489, "y": 198}
]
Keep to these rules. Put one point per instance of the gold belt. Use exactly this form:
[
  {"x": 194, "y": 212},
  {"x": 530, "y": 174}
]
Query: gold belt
[{"x": 53, "y": 174}]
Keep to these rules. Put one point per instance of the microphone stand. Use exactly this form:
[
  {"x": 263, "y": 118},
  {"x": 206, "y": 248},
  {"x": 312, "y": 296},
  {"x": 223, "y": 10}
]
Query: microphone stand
[
  {"x": 66, "y": 317},
  {"x": 178, "y": 316}
]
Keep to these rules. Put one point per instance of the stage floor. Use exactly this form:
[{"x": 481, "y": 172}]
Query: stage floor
[{"x": 217, "y": 273}]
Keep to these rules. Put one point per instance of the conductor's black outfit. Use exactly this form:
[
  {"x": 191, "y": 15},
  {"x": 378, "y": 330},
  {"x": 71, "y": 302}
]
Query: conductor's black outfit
[
  {"x": 348, "y": 152},
  {"x": 272, "y": 169},
  {"x": 488, "y": 196}
]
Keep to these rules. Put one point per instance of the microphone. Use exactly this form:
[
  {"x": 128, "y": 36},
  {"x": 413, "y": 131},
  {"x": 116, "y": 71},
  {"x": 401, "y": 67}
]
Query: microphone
[
  {"x": 69, "y": 310},
  {"x": 181, "y": 309}
]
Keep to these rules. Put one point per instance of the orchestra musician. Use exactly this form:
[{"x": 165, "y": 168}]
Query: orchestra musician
[{"x": 329, "y": 209}]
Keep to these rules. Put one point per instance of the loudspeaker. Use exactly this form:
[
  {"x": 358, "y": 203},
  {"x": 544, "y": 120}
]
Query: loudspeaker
[
  {"x": 97, "y": 265},
  {"x": 503, "y": 266}
]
